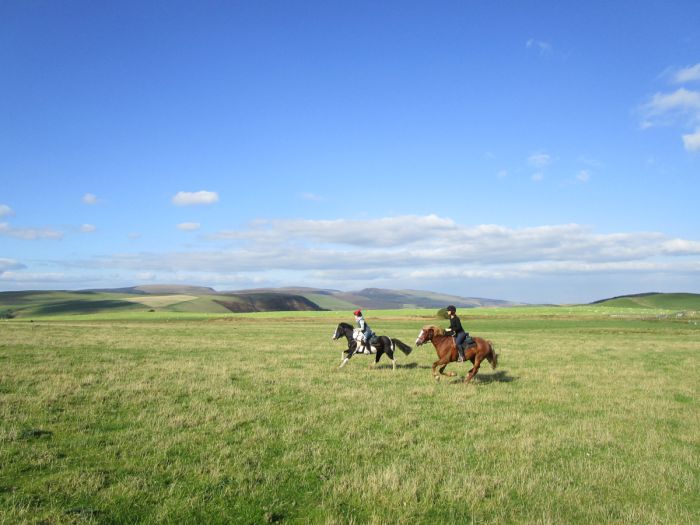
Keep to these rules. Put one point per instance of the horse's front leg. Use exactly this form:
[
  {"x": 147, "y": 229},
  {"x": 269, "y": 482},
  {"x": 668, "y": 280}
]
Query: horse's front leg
[
  {"x": 436, "y": 376},
  {"x": 350, "y": 351},
  {"x": 448, "y": 374}
]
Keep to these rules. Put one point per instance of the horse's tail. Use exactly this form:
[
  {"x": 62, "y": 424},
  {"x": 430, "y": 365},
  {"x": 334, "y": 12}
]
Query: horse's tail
[
  {"x": 402, "y": 346},
  {"x": 492, "y": 355}
]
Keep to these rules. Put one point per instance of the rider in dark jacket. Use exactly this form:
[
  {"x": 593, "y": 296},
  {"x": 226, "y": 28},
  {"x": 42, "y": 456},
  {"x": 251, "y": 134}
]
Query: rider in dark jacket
[{"x": 456, "y": 331}]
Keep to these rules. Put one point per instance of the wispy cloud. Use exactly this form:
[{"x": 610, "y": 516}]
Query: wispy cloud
[
  {"x": 678, "y": 103},
  {"x": 10, "y": 264},
  {"x": 543, "y": 47},
  {"x": 583, "y": 176},
  {"x": 39, "y": 278},
  {"x": 311, "y": 197},
  {"x": 406, "y": 244},
  {"x": 186, "y": 198},
  {"x": 189, "y": 226},
  {"x": 687, "y": 74},
  {"x": 414, "y": 250},
  {"x": 88, "y": 228},
  {"x": 6, "y": 211},
  {"x": 691, "y": 141},
  {"x": 90, "y": 199},
  {"x": 679, "y": 107},
  {"x": 29, "y": 234},
  {"x": 539, "y": 160}
]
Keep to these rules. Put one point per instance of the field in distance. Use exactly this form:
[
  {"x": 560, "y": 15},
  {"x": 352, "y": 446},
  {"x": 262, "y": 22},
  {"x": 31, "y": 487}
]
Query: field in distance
[{"x": 161, "y": 417}]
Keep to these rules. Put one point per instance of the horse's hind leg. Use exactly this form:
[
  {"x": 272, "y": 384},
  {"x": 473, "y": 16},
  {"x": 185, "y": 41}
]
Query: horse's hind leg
[
  {"x": 474, "y": 370},
  {"x": 390, "y": 355},
  {"x": 378, "y": 355}
]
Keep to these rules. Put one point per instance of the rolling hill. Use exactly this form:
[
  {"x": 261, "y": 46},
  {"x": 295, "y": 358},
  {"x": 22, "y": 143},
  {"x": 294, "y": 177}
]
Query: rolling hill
[
  {"x": 671, "y": 301},
  {"x": 173, "y": 299},
  {"x": 198, "y": 299},
  {"x": 383, "y": 299},
  {"x": 185, "y": 298}
]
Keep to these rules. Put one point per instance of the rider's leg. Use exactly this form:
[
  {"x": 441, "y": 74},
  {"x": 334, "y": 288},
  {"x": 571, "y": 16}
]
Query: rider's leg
[{"x": 459, "y": 340}]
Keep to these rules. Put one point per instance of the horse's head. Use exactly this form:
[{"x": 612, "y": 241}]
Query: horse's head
[
  {"x": 341, "y": 331},
  {"x": 427, "y": 333}
]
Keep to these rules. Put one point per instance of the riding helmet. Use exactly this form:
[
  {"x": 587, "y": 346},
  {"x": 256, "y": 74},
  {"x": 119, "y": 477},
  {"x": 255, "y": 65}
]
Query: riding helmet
[
  {"x": 452, "y": 309},
  {"x": 357, "y": 313}
]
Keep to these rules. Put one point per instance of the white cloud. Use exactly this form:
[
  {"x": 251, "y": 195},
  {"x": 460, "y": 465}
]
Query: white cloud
[
  {"x": 90, "y": 199},
  {"x": 539, "y": 160},
  {"x": 390, "y": 231},
  {"x": 10, "y": 264},
  {"x": 29, "y": 234},
  {"x": 87, "y": 228},
  {"x": 6, "y": 211},
  {"x": 422, "y": 252},
  {"x": 688, "y": 74},
  {"x": 691, "y": 141},
  {"x": 583, "y": 176},
  {"x": 186, "y": 198},
  {"x": 188, "y": 226},
  {"x": 537, "y": 177},
  {"x": 406, "y": 243},
  {"x": 681, "y": 101},
  {"x": 311, "y": 197},
  {"x": 543, "y": 47},
  {"x": 678, "y": 107},
  {"x": 33, "y": 278}
]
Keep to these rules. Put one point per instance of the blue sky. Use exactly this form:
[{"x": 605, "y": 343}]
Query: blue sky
[{"x": 532, "y": 151}]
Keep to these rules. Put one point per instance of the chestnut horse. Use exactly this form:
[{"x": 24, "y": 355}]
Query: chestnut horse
[{"x": 447, "y": 351}]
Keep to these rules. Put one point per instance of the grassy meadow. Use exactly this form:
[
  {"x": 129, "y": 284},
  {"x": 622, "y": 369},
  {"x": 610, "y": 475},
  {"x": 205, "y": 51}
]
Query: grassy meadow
[{"x": 167, "y": 417}]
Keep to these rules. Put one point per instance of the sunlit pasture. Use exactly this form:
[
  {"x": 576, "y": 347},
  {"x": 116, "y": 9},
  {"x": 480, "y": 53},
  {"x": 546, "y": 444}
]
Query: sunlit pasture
[{"x": 591, "y": 417}]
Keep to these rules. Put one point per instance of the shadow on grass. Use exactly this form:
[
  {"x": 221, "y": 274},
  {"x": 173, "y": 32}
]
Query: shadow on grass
[
  {"x": 485, "y": 378},
  {"x": 83, "y": 307},
  {"x": 407, "y": 366}
]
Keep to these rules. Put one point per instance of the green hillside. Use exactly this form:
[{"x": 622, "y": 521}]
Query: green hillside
[
  {"x": 40, "y": 303},
  {"x": 668, "y": 301},
  {"x": 183, "y": 299}
]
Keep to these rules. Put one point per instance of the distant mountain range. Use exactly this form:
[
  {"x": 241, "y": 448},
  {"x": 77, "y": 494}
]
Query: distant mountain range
[
  {"x": 381, "y": 299},
  {"x": 185, "y": 298}
]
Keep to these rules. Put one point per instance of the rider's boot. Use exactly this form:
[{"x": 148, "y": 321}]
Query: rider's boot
[{"x": 460, "y": 352}]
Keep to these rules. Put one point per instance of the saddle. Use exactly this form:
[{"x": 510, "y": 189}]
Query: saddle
[
  {"x": 468, "y": 343},
  {"x": 364, "y": 347}
]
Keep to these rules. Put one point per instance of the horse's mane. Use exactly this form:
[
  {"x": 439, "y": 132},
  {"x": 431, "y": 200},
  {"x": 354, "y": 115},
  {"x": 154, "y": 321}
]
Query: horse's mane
[
  {"x": 436, "y": 329},
  {"x": 345, "y": 325}
]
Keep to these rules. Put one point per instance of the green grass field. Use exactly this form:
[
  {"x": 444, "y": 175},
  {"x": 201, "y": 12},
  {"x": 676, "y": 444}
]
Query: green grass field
[{"x": 167, "y": 417}]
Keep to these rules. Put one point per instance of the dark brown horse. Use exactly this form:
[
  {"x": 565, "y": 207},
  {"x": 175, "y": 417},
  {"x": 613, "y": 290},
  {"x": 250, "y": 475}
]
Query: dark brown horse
[{"x": 447, "y": 351}]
